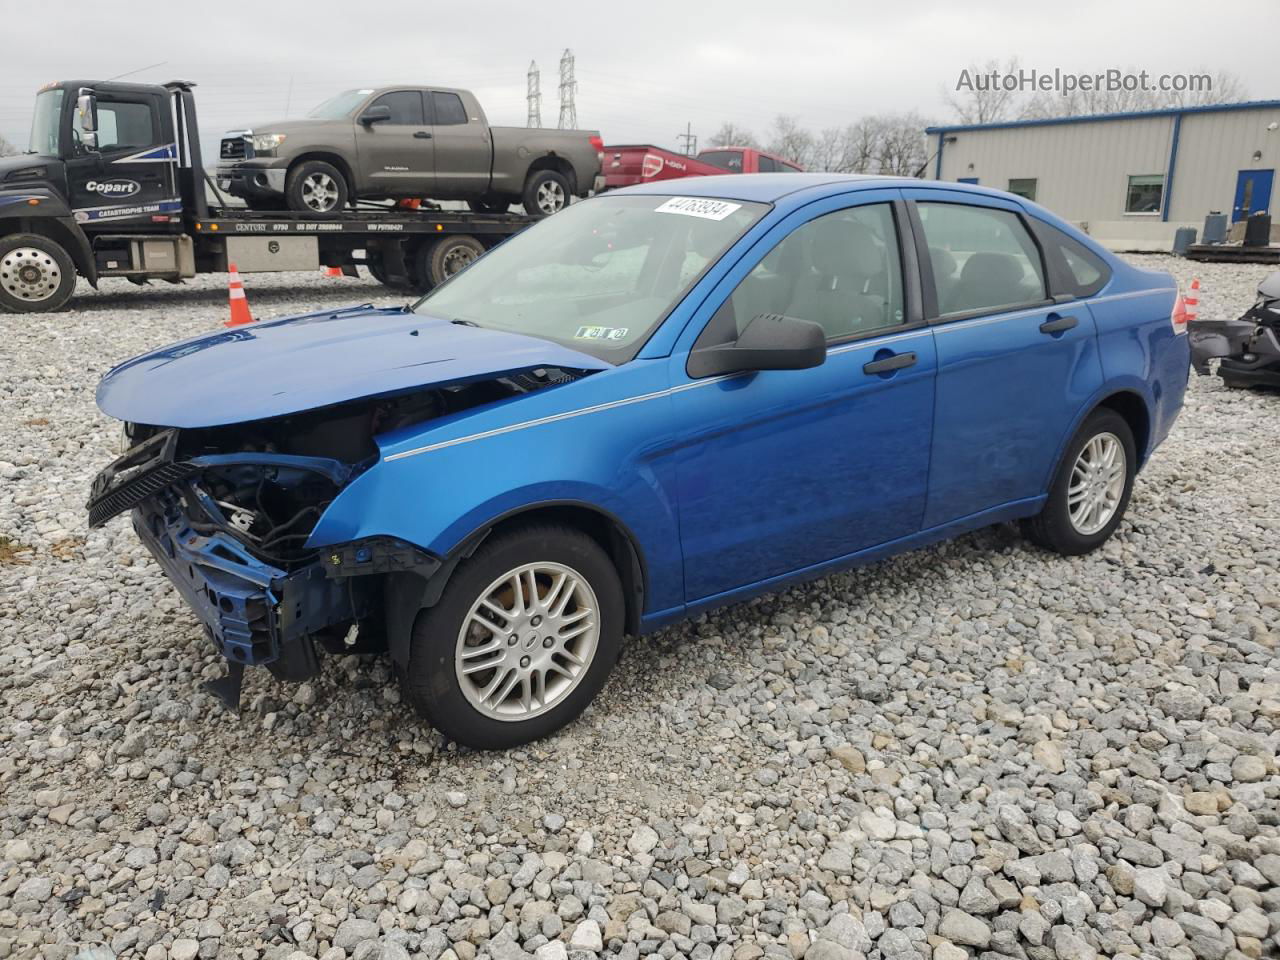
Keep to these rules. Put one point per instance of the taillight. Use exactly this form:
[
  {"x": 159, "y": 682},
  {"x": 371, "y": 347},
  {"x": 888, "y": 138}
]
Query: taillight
[
  {"x": 598, "y": 145},
  {"x": 1185, "y": 308},
  {"x": 651, "y": 165}
]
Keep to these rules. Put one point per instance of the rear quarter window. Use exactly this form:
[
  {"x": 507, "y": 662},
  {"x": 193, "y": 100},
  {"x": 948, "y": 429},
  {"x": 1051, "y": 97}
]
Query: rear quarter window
[{"x": 1074, "y": 269}]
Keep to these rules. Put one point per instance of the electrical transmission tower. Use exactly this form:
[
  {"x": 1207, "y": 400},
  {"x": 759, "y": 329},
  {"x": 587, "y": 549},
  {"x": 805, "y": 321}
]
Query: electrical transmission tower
[
  {"x": 534, "y": 96},
  {"x": 690, "y": 140},
  {"x": 568, "y": 89}
]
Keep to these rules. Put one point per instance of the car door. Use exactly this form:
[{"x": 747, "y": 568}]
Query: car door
[
  {"x": 463, "y": 152},
  {"x": 397, "y": 155},
  {"x": 783, "y": 470},
  {"x": 129, "y": 177},
  {"x": 1014, "y": 366}
]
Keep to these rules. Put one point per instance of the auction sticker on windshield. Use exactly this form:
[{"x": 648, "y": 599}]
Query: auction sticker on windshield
[{"x": 699, "y": 207}]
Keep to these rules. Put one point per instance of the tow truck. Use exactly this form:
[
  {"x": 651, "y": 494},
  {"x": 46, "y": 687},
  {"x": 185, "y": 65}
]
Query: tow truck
[{"x": 114, "y": 186}]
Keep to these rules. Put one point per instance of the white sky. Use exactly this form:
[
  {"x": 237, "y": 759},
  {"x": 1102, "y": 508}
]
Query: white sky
[{"x": 644, "y": 70}]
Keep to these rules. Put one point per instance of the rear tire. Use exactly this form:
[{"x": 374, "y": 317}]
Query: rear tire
[
  {"x": 545, "y": 192},
  {"x": 438, "y": 260},
  {"x": 1091, "y": 489},
  {"x": 316, "y": 188},
  {"x": 36, "y": 274},
  {"x": 565, "y": 637}
]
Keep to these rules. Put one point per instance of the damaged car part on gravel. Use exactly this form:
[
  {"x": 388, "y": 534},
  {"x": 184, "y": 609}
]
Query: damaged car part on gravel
[{"x": 1248, "y": 348}]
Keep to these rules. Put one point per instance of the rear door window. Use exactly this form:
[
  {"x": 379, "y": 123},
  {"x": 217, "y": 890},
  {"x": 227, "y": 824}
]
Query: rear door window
[
  {"x": 766, "y": 165},
  {"x": 449, "y": 109},
  {"x": 984, "y": 259},
  {"x": 1074, "y": 269}
]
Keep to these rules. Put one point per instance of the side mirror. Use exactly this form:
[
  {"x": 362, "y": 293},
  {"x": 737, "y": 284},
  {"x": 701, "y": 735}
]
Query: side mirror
[
  {"x": 378, "y": 114},
  {"x": 87, "y": 117},
  {"x": 769, "y": 342}
]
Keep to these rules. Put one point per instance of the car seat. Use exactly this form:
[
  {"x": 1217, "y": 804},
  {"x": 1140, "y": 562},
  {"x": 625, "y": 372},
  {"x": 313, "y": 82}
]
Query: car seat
[{"x": 839, "y": 292}]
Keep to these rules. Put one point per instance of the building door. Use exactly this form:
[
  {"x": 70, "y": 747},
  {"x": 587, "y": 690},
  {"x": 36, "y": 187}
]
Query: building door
[{"x": 1253, "y": 193}]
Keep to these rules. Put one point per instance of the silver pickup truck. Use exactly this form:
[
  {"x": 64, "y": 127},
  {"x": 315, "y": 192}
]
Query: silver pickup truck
[{"x": 404, "y": 143}]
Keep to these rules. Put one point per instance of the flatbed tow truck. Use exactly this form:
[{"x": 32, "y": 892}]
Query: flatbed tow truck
[{"x": 115, "y": 186}]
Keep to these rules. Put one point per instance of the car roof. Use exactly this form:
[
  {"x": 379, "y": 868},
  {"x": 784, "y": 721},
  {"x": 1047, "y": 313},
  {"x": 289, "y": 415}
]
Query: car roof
[{"x": 772, "y": 187}]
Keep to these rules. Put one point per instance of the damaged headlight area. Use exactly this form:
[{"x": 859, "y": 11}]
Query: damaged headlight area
[{"x": 227, "y": 512}]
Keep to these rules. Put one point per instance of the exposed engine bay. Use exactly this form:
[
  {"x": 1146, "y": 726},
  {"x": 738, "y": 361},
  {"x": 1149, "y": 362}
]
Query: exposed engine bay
[{"x": 227, "y": 512}]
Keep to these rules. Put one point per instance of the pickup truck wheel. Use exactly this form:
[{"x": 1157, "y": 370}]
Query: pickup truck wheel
[
  {"x": 1091, "y": 489},
  {"x": 36, "y": 274},
  {"x": 441, "y": 259},
  {"x": 545, "y": 192},
  {"x": 522, "y": 639},
  {"x": 316, "y": 188}
]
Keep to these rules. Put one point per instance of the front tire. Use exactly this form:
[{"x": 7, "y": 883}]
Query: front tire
[
  {"x": 36, "y": 274},
  {"x": 316, "y": 188},
  {"x": 545, "y": 192},
  {"x": 522, "y": 639},
  {"x": 1091, "y": 489}
]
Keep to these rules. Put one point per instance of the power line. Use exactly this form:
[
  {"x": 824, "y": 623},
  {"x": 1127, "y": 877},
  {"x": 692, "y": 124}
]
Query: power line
[
  {"x": 534, "y": 96},
  {"x": 568, "y": 91},
  {"x": 690, "y": 140}
]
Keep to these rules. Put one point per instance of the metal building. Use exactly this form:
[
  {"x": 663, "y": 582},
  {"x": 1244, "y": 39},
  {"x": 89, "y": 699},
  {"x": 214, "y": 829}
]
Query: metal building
[{"x": 1129, "y": 179}]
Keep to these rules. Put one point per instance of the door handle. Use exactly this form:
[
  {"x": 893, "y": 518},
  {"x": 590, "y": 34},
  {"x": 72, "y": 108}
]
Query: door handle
[
  {"x": 888, "y": 364},
  {"x": 423, "y": 135},
  {"x": 1056, "y": 324}
]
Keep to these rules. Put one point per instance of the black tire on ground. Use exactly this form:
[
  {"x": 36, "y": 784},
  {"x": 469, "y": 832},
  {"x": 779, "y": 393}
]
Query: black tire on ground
[
  {"x": 490, "y": 205},
  {"x": 545, "y": 192},
  {"x": 430, "y": 679},
  {"x": 37, "y": 275},
  {"x": 438, "y": 260},
  {"x": 316, "y": 188},
  {"x": 1053, "y": 527}
]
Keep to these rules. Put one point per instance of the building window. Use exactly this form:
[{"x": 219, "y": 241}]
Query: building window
[
  {"x": 1145, "y": 194},
  {"x": 1024, "y": 187}
]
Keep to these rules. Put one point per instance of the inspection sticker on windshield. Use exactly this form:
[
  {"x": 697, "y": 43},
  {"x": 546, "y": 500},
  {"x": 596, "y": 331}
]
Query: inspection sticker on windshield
[
  {"x": 699, "y": 207},
  {"x": 601, "y": 333}
]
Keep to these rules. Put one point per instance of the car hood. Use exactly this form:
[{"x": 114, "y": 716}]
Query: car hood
[{"x": 271, "y": 368}]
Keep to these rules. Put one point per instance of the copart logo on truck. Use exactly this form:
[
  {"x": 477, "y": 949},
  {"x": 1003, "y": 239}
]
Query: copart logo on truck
[{"x": 114, "y": 188}]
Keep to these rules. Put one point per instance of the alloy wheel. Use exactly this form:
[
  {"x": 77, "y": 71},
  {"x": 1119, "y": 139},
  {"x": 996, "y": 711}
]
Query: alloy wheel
[
  {"x": 1097, "y": 484},
  {"x": 528, "y": 641},
  {"x": 320, "y": 192}
]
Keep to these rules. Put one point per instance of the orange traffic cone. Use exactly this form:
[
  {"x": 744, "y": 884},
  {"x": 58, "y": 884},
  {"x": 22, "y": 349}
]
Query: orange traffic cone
[
  {"x": 333, "y": 271},
  {"x": 240, "y": 314},
  {"x": 1191, "y": 302}
]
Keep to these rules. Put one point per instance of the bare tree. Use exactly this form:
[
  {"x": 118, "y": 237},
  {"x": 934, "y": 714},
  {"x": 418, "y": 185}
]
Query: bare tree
[
  {"x": 902, "y": 148},
  {"x": 732, "y": 135},
  {"x": 1223, "y": 87},
  {"x": 1220, "y": 87},
  {"x": 7, "y": 149},
  {"x": 980, "y": 95},
  {"x": 791, "y": 141}
]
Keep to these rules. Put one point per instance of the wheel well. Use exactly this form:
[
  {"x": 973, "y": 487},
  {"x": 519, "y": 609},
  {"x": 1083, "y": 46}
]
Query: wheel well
[
  {"x": 331, "y": 158},
  {"x": 609, "y": 532},
  {"x": 560, "y": 165},
  {"x": 58, "y": 232},
  {"x": 1134, "y": 410}
]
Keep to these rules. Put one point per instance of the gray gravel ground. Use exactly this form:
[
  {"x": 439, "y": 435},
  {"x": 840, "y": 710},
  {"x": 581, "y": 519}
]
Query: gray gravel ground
[{"x": 973, "y": 749}]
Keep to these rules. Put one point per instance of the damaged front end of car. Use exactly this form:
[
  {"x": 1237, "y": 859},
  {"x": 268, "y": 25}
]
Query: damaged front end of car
[
  {"x": 1248, "y": 348},
  {"x": 227, "y": 503}
]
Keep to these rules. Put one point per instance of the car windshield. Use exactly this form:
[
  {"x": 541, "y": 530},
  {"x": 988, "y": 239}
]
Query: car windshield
[
  {"x": 598, "y": 276},
  {"x": 335, "y": 108},
  {"x": 44, "y": 124}
]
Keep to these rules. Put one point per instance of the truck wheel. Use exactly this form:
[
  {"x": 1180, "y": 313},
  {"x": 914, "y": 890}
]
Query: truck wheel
[
  {"x": 545, "y": 192},
  {"x": 441, "y": 259},
  {"x": 36, "y": 274},
  {"x": 315, "y": 188},
  {"x": 1091, "y": 489},
  {"x": 522, "y": 639},
  {"x": 490, "y": 205}
]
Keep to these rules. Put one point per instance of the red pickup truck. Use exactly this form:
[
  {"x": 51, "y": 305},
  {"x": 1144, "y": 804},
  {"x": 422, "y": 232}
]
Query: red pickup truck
[{"x": 644, "y": 163}]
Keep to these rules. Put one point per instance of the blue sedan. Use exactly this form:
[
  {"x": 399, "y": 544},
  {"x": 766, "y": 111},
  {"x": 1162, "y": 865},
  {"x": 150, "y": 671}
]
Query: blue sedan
[{"x": 656, "y": 402}]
